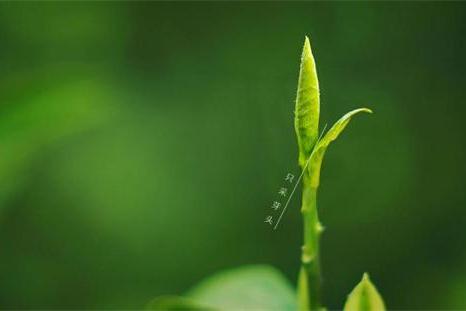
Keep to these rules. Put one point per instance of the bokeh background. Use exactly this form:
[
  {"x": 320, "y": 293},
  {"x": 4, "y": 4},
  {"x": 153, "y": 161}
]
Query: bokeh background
[{"x": 142, "y": 144}]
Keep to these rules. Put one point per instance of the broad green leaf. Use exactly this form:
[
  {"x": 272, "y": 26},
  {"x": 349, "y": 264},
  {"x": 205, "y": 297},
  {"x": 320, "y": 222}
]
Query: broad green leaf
[
  {"x": 364, "y": 297},
  {"x": 307, "y": 104},
  {"x": 246, "y": 288},
  {"x": 321, "y": 146},
  {"x": 169, "y": 303}
]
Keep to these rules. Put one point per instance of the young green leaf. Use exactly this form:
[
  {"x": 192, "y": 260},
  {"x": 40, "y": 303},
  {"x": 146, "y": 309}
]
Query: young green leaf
[
  {"x": 364, "y": 297},
  {"x": 321, "y": 146},
  {"x": 307, "y": 104}
]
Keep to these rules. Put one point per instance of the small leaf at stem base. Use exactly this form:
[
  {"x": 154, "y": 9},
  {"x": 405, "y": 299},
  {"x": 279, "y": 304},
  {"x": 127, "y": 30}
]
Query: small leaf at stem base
[{"x": 364, "y": 297}]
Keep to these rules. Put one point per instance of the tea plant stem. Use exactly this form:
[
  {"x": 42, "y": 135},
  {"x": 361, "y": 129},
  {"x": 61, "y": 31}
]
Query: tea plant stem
[
  {"x": 310, "y": 276},
  {"x": 312, "y": 148},
  {"x": 307, "y": 127}
]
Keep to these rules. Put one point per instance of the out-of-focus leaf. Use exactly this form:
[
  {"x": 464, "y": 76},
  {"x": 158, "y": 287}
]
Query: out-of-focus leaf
[
  {"x": 307, "y": 107},
  {"x": 169, "y": 303},
  {"x": 38, "y": 115},
  {"x": 246, "y": 288},
  {"x": 364, "y": 297},
  {"x": 321, "y": 146}
]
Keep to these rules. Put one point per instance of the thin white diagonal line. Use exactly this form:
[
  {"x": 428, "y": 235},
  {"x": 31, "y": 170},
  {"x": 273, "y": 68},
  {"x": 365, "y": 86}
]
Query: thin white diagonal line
[{"x": 296, "y": 185}]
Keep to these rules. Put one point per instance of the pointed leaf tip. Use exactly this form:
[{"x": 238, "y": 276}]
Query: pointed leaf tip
[
  {"x": 364, "y": 297},
  {"x": 365, "y": 277},
  {"x": 307, "y": 47}
]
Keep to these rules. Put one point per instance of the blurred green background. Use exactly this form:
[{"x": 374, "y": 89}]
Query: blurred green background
[{"x": 142, "y": 144}]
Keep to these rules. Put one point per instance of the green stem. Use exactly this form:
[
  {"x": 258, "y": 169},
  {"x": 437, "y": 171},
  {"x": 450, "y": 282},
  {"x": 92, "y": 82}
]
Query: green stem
[{"x": 310, "y": 276}]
